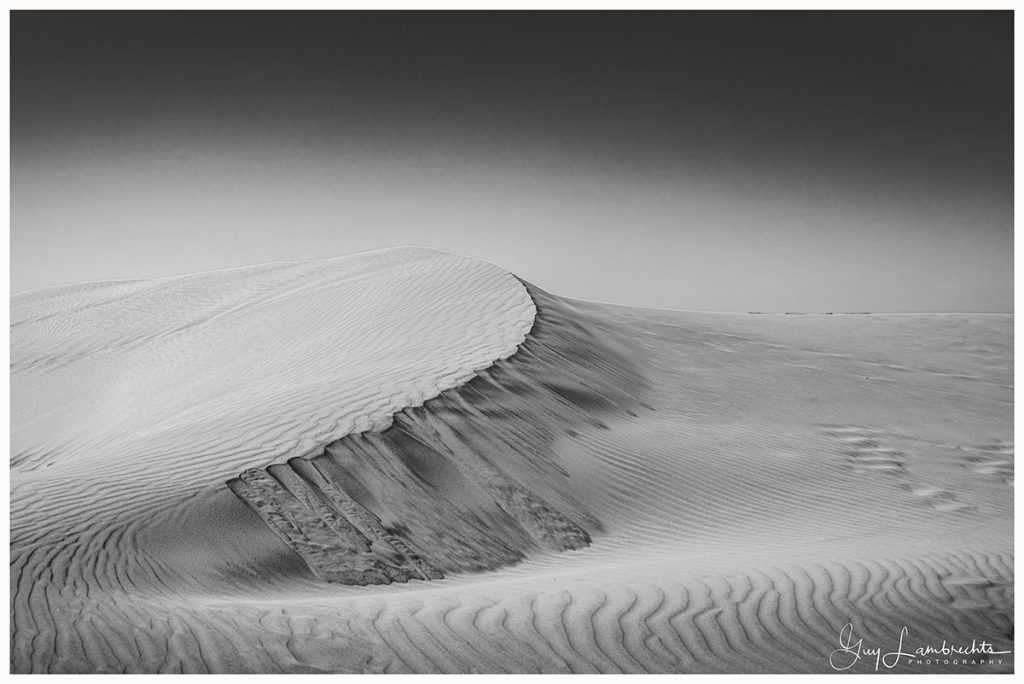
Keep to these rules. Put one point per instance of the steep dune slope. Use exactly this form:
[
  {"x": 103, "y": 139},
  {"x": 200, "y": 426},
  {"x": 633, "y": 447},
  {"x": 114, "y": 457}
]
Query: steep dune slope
[
  {"x": 466, "y": 482},
  {"x": 205, "y": 470}
]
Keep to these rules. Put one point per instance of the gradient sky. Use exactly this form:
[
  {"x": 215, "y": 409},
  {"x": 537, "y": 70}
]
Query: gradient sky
[{"x": 729, "y": 161}]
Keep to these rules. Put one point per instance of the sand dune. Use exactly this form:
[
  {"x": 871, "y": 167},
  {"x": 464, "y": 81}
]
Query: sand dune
[{"x": 409, "y": 461}]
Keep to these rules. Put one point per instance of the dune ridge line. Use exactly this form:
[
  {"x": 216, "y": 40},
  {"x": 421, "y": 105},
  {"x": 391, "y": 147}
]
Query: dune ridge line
[{"x": 457, "y": 492}]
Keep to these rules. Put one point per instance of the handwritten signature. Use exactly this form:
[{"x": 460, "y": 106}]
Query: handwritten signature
[{"x": 852, "y": 649}]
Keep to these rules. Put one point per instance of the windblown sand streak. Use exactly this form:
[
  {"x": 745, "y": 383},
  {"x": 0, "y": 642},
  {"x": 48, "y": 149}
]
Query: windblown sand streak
[{"x": 747, "y": 485}]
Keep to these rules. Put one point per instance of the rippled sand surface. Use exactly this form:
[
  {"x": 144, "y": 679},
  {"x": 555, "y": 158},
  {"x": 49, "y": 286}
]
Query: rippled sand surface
[{"x": 409, "y": 461}]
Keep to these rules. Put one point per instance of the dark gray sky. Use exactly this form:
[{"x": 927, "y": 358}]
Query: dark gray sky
[{"x": 719, "y": 161}]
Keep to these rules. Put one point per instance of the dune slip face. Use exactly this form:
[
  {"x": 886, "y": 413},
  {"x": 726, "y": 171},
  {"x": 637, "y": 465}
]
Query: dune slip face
[
  {"x": 465, "y": 482},
  {"x": 432, "y": 466}
]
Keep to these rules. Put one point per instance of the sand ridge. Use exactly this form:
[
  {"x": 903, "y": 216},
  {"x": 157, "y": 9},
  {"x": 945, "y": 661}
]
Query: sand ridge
[{"x": 465, "y": 482}]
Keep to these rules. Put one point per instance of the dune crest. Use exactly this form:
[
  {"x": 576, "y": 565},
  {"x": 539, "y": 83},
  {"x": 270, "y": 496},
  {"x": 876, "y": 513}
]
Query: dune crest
[{"x": 445, "y": 488}]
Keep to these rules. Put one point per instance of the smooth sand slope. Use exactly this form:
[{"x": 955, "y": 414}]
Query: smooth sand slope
[{"x": 410, "y": 461}]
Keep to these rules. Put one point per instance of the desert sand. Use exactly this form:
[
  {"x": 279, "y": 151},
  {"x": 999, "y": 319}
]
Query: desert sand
[{"x": 412, "y": 461}]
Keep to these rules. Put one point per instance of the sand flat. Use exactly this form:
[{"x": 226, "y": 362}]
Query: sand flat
[{"x": 603, "y": 489}]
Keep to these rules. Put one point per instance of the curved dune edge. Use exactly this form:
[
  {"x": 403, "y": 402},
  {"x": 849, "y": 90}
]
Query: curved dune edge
[
  {"x": 447, "y": 487},
  {"x": 285, "y": 356}
]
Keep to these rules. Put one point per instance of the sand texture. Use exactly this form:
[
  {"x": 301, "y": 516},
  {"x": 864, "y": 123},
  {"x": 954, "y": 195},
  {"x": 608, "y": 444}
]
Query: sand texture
[{"x": 410, "y": 461}]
